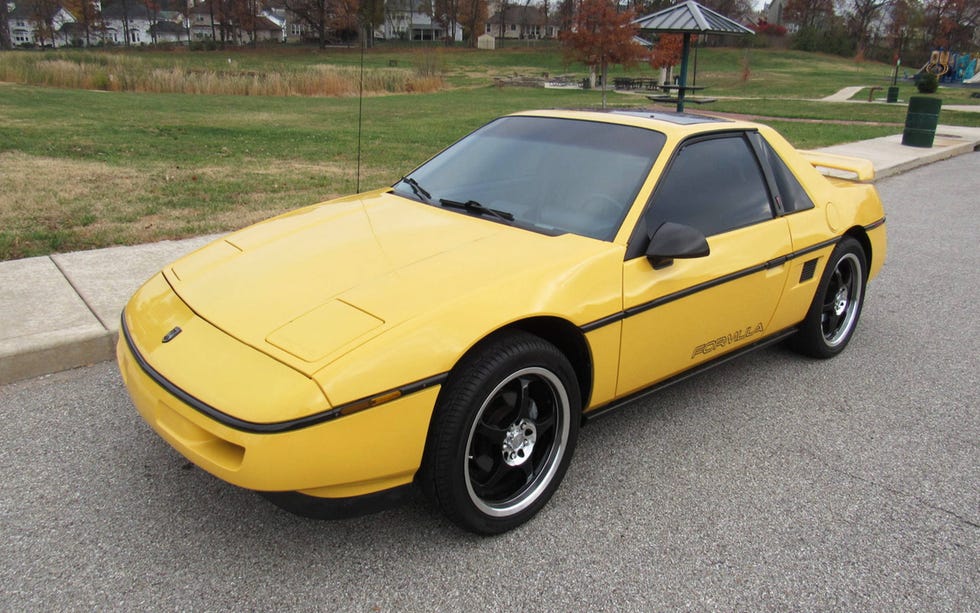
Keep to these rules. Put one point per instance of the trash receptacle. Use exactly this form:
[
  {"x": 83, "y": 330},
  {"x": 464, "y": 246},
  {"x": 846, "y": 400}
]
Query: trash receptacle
[
  {"x": 921, "y": 121},
  {"x": 892, "y": 94}
]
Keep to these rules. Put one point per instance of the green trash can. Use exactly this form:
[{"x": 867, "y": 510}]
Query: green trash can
[
  {"x": 921, "y": 121},
  {"x": 892, "y": 94}
]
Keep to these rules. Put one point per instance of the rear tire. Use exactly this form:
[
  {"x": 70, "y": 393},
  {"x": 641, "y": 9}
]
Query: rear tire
[
  {"x": 503, "y": 433},
  {"x": 836, "y": 307}
]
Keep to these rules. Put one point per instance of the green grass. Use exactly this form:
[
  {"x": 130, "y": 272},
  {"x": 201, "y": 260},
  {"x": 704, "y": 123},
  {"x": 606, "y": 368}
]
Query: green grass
[{"x": 84, "y": 169}]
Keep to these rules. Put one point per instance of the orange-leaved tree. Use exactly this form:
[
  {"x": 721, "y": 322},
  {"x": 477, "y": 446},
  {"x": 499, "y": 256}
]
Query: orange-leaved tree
[
  {"x": 600, "y": 36},
  {"x": 667, "y": 53}
]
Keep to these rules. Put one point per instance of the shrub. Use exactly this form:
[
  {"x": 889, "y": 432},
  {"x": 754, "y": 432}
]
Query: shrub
[{"x": 926, "y": 82}]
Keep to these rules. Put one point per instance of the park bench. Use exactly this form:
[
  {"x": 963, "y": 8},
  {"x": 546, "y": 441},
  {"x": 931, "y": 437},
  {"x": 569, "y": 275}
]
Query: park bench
[{"x": 673, "y": 99}]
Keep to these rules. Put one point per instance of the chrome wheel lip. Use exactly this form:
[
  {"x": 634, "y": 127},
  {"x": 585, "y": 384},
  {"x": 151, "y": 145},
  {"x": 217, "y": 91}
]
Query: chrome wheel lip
[
  {"x": 527, "y": 496},
  {"x": 846, "y": 300}
]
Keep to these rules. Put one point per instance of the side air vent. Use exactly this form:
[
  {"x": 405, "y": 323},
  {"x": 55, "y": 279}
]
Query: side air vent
[{"x": 809, "y": 267}]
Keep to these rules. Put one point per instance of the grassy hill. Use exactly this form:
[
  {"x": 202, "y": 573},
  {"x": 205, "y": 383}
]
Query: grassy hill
[{"x": 85, "y": 168}]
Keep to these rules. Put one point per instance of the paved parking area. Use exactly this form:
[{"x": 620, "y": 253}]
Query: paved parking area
[{"x": 771, "y": 483}]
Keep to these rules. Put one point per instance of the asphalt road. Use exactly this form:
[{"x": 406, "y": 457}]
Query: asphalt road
[{"x": 773, "y": 483}]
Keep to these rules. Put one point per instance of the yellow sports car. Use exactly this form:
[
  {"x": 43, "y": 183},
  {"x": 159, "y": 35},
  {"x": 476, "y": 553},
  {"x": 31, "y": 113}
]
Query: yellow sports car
[{"x": 454, "y": 330}]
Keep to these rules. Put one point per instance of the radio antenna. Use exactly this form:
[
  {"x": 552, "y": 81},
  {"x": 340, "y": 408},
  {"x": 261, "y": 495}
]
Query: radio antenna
[{"x": 360, "y": 111}]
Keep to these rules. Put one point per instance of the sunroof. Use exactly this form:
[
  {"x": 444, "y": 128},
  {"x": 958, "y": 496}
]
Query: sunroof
[{"x": 683, "y": 119}]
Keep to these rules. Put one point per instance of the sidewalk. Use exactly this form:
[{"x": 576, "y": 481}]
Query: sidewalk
[{"x": 62, "y": 311}]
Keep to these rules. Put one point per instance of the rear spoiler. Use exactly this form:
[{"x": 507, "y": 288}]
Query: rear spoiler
[{"x": 862, "y": 168}]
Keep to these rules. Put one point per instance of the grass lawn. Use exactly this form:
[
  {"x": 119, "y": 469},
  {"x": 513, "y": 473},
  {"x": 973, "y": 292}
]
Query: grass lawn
[{"x": 83, "y": 169}]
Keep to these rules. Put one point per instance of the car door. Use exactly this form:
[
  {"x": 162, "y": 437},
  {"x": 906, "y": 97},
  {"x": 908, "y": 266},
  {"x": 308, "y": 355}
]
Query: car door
[{"x": 683, "y": 312}]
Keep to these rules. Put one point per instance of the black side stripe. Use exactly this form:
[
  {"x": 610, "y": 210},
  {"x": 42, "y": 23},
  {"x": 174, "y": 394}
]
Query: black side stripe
[
  {"x": 875, "y": 224},
  {"x": 687, "y": 374},
  {"x": 280, "y": 426},
  {"x": 684, "y": 293}
]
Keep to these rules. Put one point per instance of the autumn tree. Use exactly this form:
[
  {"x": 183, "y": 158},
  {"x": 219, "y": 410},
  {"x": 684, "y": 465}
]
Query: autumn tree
[
  {"x": 473, "y": 16},
  {"x": 242, "y": 14},
  {"x": 667, "y": 52},
  {"x": 952, "y": 23},
  {"x": 446, "y": 14},
  {"x": 600, "y": 36}
]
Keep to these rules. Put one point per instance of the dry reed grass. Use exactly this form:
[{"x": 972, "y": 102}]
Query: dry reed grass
[{"x": 127, "y": 73}]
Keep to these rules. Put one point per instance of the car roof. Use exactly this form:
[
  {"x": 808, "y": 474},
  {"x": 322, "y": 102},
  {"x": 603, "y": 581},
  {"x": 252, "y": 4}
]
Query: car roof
[{"x": 678, "y": 125}]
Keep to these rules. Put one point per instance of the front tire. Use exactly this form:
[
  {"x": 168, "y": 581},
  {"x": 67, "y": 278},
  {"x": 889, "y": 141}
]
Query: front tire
[
  {"x": 836, "y": 307},
  {"x": 503, "y": 433}
]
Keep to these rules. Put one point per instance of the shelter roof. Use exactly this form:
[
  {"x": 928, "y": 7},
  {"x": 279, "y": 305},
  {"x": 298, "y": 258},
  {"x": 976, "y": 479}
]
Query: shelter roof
[{"x": 691, "y": 17}]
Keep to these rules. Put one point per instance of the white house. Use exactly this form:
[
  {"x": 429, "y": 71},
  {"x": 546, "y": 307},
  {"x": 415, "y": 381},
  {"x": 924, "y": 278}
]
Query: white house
[
  {"x": 129, "y": 21},
  {"x": 25, "y": 28},
  {"x": 405, "y": 21},
  {"x": 522, "y": 22}
]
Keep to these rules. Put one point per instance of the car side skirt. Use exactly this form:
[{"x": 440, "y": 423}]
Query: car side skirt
[{"x": 620, "y": 402}]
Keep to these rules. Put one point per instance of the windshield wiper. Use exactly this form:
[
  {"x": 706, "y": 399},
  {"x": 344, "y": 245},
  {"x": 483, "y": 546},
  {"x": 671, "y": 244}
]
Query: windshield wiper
[
  {"x": 473, "y": 206},
  {"x": 418, "y": 189}
]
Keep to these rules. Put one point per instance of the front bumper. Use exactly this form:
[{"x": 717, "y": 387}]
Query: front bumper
[{"x": 354, "y": 455}]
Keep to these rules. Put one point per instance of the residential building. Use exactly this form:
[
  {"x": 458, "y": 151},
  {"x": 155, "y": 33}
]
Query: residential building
[
  {"x": 408, "y": 20},
  {"x": 28, "y": 27},
  {"x": 522, "y": 22}
]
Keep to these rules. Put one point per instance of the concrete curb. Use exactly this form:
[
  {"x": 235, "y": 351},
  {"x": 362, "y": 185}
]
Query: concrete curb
[
  {"x": 70, "y": 350},
  {"x": 891, "y": 157},
  {"x": 62, "y": 311}
]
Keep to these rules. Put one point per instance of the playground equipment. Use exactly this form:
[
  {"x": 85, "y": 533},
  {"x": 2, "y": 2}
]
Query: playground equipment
[{"x": 952, "y": 67}]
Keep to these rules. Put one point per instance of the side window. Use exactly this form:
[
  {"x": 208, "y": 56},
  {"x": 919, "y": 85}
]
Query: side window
[
  {"x": 713, "y": 185},
  {"x": 793, "y": 196}
]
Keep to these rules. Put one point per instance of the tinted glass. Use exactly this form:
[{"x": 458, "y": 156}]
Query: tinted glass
[
  {"x": 553, "y": 175},
  {"x": 713, "y": 185},
  {"x": 792, "y": 194}
]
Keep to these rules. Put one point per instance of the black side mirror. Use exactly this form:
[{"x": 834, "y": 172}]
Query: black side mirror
[{"x": 674, "y": 240}]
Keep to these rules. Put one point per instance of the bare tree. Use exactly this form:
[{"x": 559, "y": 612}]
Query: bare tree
[
  {"x": 369, "y": 14},
  {"x": 313, "y": 14},
  {"x": 446, "y": 14},
  {"x": 86, "y": 12},
  {"x": 5, "y": 42},
  {"x": 861, "y": 15},
  {"x": 905, "y": 19},
  {"x": 43, "y": 12},
  {"x": 808, "y": 13}
]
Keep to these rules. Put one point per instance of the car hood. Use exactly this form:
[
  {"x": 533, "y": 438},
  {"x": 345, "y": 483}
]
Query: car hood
[{"x": 311, "y": 285}]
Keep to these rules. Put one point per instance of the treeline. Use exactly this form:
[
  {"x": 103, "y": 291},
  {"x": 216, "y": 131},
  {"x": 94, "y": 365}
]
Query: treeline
[{"x": 884, "y": 29}]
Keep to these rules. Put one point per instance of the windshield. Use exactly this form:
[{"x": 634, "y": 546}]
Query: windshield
[{"x": 552, "y": 175}]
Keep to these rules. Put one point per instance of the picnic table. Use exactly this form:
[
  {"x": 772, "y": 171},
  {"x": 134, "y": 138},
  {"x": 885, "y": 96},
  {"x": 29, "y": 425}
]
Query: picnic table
[
  {"x": 635, "y": 83},
  {"x": 675, "y": 93}
]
